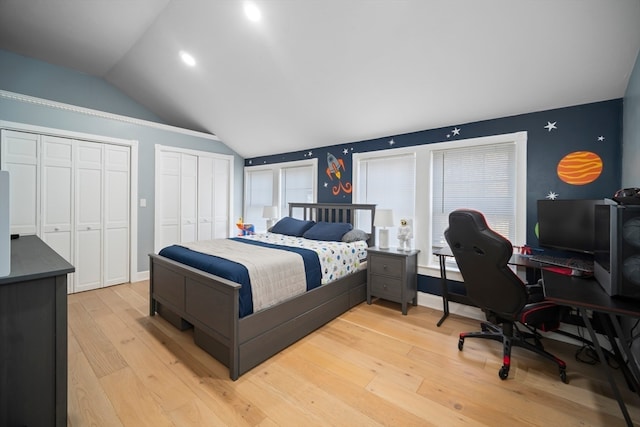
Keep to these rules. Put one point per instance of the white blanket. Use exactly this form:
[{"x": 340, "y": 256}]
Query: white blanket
[{"x": 275, "y": 274}]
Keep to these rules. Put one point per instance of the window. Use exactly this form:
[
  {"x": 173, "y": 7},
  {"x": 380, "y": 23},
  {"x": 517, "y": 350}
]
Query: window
[
  {"x": 425, "y": 183},
  {"x": 277, "y": 185},
  {"x": 389, "y": 182}
]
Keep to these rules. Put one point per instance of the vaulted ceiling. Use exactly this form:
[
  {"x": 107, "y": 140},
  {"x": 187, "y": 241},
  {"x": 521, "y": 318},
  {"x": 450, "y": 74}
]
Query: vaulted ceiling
[{"x": 315, "y": 73}]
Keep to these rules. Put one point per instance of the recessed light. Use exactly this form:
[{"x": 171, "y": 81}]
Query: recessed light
[
  {"x": 187, "y": 58},
  {"x": 252, "y": 11}
]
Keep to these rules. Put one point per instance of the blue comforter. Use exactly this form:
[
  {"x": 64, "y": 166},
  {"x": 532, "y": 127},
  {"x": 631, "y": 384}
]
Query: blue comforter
[{"x": 237, "y": 272}]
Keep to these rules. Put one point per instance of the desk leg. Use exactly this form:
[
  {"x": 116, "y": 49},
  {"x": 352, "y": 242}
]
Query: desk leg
[
  {"x": 607, "y": 368},
  {"x": 445, "y": 289},
  {"x": 630, "y": 364}
]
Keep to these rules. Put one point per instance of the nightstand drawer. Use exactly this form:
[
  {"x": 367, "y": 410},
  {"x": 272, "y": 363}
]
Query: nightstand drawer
[
  {"x": 386, "y": 287},
  {"x": 387, "y": 265}
]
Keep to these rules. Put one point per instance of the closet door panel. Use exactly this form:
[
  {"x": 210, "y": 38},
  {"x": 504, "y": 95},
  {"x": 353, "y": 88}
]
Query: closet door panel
[
  {"x": 57, "y": 197},
  {"x": 168, "y": 200},
  {"x": 205, "y": 198},
  {"x": 89, "y": 209},
  {"x": 189, "y": 198},
  {"x": 19, "y": 155},
  {"x": 221, "y": 198},
  {"x": 117, "y": 200}
]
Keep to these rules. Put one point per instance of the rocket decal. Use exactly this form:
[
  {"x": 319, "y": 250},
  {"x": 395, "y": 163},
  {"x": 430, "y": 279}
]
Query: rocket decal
[{"x": 334, "y": 165}]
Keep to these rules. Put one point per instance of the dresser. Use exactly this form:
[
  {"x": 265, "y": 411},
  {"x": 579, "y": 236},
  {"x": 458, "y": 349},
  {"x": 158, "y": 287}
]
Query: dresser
[
  {"x": 33, "y": 336},
  {"x": 392, "y": 275}
]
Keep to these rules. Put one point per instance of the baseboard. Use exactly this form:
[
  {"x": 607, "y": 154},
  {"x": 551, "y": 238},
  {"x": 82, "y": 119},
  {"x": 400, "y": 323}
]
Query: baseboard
[{"x": 140, "y": 276}]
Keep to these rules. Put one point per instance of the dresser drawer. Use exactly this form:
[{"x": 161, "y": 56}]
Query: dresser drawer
[
  {"x": 389, "y": 288},
  {"x": 387, "y": 265}
]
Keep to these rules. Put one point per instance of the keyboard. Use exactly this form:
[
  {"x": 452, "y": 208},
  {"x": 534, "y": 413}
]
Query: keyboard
[{"x": 572, "y": 263}]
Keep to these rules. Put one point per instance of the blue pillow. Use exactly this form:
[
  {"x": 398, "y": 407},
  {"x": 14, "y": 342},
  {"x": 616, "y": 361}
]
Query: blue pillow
[
  {"x": 292, "y": 226},
  {"x": 328, "y": 231}
]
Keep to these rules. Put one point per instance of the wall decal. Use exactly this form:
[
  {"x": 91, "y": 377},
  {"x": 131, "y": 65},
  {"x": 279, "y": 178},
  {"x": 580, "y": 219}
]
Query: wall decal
[
  {"x": 334, "y": 165},
  {"x": 579, "y": 167}
]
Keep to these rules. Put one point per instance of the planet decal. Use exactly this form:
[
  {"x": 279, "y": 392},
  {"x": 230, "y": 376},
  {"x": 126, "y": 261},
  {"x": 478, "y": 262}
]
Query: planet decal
[{"x": 579, "y": 167}]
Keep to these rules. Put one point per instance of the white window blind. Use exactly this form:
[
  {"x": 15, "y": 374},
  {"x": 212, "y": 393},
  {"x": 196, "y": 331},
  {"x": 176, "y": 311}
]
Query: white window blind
[
  {"x": 482, "y": 178},
  {"x": 389, "y": 182},
  {"x": 258, "y": 194},
  {"x": 297, "y": 186}
]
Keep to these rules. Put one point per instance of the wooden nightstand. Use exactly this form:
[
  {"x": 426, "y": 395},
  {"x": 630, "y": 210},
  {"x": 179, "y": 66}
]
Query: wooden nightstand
[{"x": 392, "y": 275}]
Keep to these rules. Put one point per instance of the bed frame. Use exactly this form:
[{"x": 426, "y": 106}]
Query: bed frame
[{"x": 190, "y": 298}]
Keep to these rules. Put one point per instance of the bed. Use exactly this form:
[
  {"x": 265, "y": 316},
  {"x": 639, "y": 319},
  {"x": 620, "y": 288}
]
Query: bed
[{"x": 188, "y": 297}]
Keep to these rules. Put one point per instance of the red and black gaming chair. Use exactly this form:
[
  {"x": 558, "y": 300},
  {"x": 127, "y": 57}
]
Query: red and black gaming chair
[{"x": 482, "y": 256}]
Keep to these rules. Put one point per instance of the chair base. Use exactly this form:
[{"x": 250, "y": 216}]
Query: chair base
[{"x": 508, "y": 338}]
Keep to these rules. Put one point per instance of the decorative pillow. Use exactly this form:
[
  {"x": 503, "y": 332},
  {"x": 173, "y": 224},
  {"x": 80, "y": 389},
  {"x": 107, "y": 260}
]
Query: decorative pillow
[
  {"x": 328, "y": 231},
  {"x": 355, "y": 235},
  {"x": 292, "y": 226}
]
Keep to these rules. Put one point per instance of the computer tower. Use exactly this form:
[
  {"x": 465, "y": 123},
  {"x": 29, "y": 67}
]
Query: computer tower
[{"x": 617, "y": 249}]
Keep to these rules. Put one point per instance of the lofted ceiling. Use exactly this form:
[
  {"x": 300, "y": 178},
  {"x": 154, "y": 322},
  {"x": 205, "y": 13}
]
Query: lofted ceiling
[{"x": 314, "y": 73}]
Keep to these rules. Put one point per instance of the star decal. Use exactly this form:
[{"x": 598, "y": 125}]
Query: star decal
[
  {"x": 600, "y": 138},
  {"x": 391, "y": 143},
  {"x": 309, "y": 154},
  {"x": 345, "y": 151},
  {"x": 552, "y": 196},
  {"x": 326, "y": 185},
  {"x": 455, "y": 131},
  {"x": 250, "y": 162},
  {"x": 551, "y": 126}
]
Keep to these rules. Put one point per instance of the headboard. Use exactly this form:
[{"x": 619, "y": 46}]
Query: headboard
[{"x": 337, "y": 212}]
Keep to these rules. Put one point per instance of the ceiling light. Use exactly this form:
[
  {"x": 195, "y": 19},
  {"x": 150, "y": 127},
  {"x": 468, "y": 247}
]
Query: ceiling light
[
  {"x": 187, "y": 58},
  {"x": 252, "y": 11}
]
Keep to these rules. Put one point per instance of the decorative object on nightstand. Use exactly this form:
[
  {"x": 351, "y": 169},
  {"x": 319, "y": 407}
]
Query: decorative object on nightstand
[
  {"x": 393, "y": 275},
  {"x": 270, "y": 213},
  {"x": 405, "y": 234},
  {"x": 383, "y": 218}
]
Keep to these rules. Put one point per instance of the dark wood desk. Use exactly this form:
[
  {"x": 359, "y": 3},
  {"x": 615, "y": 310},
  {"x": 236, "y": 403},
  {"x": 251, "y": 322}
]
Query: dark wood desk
[
  {"x": 587, "y": 294},
  {"x": 444, "y": 253}
]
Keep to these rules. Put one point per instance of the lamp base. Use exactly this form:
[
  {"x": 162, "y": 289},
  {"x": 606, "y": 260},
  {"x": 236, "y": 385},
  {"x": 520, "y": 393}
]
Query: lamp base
[{"x": 383, "y": 237}]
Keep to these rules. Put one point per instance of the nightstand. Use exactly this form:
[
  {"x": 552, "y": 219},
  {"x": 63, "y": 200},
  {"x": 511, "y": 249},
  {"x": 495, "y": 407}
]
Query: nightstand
[{"x": 392, "y": 275}]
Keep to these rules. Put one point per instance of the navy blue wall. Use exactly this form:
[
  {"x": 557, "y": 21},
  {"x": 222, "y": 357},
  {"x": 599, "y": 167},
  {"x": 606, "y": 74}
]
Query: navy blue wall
[{"x": 552, "y": 134}]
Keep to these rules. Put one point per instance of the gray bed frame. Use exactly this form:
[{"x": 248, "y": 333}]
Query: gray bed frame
[{"x": 190, "y": 298}]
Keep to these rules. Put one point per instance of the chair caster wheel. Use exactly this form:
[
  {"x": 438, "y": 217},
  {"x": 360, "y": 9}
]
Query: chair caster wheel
[
  {"x": 563, "y": 375},
  {"x": 460, "y": 344},
  {"x": 503, "y": 373}
]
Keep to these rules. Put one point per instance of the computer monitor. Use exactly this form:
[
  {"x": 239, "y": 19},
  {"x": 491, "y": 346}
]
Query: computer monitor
[{"x": 567, "y": 224}]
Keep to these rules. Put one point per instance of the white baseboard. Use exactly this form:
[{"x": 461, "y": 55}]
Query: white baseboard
[{"x": 140, "y": 276}]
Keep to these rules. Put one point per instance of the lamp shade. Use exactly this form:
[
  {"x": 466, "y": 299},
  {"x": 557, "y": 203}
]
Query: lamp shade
[
  {"x": 383, "y": 218},
  {"x": 270, "y": 212}
]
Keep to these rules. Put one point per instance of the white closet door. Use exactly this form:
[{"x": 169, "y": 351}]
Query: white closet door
[
  {"x": 167, "y": 199},
  {"x": 89, "y": 211},
  {"x": 189, "y": 198},
  {"x": 205, "y": 198},
  {"x": 20, "y": 158},
  {"x": 57, "y": 197},
  {"x": 116, "y": 214},
  {"x": 221, "y": 198}
]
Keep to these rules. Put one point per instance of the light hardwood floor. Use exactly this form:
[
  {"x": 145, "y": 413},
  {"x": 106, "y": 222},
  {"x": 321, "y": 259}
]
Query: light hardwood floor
[{"x": 371, "y": 366}]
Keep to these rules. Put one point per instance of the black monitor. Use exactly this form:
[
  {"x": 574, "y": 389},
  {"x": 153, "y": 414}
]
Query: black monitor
[{"x": 567, "y": 224}]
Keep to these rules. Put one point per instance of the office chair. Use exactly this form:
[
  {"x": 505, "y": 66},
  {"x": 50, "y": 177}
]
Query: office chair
[{"x": 482, "y": 256}]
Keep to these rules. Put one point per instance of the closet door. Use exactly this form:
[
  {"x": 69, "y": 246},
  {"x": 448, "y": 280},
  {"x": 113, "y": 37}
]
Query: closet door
[
  {"x": 89, "y": 215},
  {"x": 19, "y": 155},
  {"x": 167, "y": 228},
  {"x": 206, "y": 198},
  {"x": 116, "y": 214},
  {"x": 221, "y": 198},
  {"x": 57, "y": 197},
  {"x": 188, "y": 198}
]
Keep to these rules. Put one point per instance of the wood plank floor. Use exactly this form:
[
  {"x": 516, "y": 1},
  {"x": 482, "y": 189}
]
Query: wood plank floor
[{"x": 371, "y": 366}]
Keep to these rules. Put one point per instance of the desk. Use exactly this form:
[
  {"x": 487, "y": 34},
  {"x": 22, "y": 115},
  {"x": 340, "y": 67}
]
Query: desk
[
  {"x": 587, "y": 294},
  {"x": 583, "y": 294},
  {"x": 444, "y": 253}
]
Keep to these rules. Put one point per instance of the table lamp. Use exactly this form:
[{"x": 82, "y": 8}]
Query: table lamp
[
  {"x": 270, "y": 213},
  {"x": 383, "y": 218}
]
